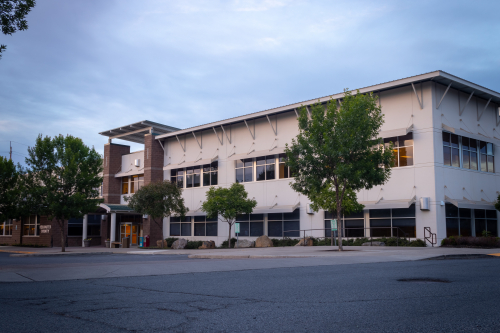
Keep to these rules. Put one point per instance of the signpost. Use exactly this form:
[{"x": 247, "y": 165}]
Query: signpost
[
  {"x": 333, "y": 224},
  {"x": 237, "y": 230}
]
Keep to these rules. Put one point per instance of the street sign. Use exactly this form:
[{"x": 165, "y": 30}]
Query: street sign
[
  {"x": 333, "y": 224},
  {"x": 44, "y": 231},
  {"x": 236, "y": 228},
  {"x": 42, "y": 227}
]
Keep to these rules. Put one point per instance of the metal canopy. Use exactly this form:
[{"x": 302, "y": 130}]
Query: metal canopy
[
  {"x": 116, "y": 208},
  {"x": 135, "y": 132},
  {"x": 436, "y": 76}
]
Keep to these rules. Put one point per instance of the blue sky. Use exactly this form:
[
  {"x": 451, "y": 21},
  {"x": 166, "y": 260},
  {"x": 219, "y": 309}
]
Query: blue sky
[{"x": 85, "y": 66}]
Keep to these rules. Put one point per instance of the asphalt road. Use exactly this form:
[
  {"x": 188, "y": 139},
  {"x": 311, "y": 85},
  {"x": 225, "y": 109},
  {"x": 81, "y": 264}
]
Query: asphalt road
[{"x": 327, "y": 298}]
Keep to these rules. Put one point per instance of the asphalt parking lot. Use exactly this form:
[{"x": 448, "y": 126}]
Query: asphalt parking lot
[{"x": 448, "y": 296}]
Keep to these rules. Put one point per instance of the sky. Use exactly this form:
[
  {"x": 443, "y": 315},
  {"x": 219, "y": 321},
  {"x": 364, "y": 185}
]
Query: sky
[{"x": 86, "y": 66}]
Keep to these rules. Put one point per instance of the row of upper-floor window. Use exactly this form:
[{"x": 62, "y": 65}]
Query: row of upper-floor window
[
  {"x": 262, "y": 168},
  {"x": 130, "y": 184},
  {"x": 196, "y": 176},
  {"x": 463, "y": 152}
]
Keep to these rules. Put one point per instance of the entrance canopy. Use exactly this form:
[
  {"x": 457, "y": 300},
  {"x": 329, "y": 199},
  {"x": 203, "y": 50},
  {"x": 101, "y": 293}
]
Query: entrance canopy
[
  {"x": 116, "y": 208},
  {"x": 466, "y": 203},
  {"x": 384, "y": 204}
]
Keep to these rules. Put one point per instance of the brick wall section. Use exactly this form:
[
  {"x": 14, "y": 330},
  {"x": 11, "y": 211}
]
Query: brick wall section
[
  {"x": 153, "y": 171},
  {"x": 112, "y": 165},
  {"x": 105, "y": 225}
]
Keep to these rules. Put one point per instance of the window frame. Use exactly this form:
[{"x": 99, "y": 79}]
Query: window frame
[
  {"x": 250, "y": 219},
  {"x": 488, "y": 153},
  {"x": 345, "y": 233},
  {"x": 205, "y": 222},
  {"x": 6, "y": 225},
  {"x": 284, "y": 220},
  {"x": 391, "y": 218},
  {"x": 179, "y": 175},
  {"x": 36, "y": 225}
]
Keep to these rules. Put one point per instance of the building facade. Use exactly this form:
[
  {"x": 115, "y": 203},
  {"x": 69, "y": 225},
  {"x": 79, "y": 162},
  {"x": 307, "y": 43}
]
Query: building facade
[{"x": 444, "y": 181}]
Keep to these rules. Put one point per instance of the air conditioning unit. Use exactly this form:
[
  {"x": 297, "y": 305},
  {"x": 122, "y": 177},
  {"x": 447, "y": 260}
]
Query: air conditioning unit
[
  {"x": 425, "y": 203},
  {"x": 138, "y": 162},
  {"x": 309, "y": 209}
]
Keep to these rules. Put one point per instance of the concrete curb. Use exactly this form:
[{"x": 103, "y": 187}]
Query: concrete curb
[
  {"x": 461, "y": 256},
  {"x": 58, "y": 254},
  {"x": 215, "y": 256}
]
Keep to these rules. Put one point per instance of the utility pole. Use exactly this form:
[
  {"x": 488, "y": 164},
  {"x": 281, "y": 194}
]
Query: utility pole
[{"x": 10, "y": 150}]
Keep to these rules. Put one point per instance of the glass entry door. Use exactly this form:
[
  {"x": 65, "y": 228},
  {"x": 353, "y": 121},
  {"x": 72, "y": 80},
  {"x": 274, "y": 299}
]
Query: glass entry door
[{"x": 130, "y": 230}]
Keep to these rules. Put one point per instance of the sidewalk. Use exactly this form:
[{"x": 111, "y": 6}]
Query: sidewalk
[{"x": 405, "y": 253}]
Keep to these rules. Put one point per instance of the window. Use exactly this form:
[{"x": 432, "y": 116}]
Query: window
[
  {"x": 475, "y": 154},
  {"x": 136, "y": 182},
  {"x": 458, "y": 221},
  {"x": 31, "y": 226},
  {"x": 180, "y": 227},
  {"x": 284, "y": 171},
  {"x": 354, "y": 224},
  {"x": 251, "y": 225},
  {"x": 177, "y": 177},
  {"x": 393, "y": 222},
  {"x": 6, "y": 228},
  {"x": 402, "y": 149},
  {"x": 265, "y": 167},
  {"x": 284, "y": 224},
  {"x": 125, "y": 182},
  {"x": 75, "y": 226},
  {"x": 204, "y": 226},
  {"x": 93, "y": 225},
  {"x": 244, "y": 170},
  {"x": 210, "y": 174},
  {"x": 485, "y": 222},
  {"x": 193, "y": 176}
]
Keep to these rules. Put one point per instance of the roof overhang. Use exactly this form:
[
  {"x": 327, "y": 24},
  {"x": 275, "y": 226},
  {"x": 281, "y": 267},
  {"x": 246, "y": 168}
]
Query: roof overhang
[
  {"x": 436, "y": 76},
  {"x": 135, "y": 132},
  {"x": 116, "y": 208}
]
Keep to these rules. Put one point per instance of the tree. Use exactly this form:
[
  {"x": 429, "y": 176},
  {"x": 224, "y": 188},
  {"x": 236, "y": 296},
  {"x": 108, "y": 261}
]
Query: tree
[
  {"x": 158, "y": 200},
  {"x": 228, "y": 203},
  {"x": 12, "y": 16},
  {"x": 336, "y": 153},
  {"x": 497, "y": 204},
  {"x": 10, "y": 189},
  {"x": 63, "y": 179}
]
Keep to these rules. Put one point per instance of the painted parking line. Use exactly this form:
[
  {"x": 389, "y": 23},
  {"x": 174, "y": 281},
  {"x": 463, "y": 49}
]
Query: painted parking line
[
  {"x": 10, "y": 251},
  {"x": 494, "y": 254}
]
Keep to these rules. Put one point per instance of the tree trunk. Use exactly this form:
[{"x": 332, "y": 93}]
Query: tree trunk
[
  {"x": 63, "y": 240},
  {"x": 331, "y": 234},
  {"x": 229, "y": 239},
  {"x": 339, "y": 227}
]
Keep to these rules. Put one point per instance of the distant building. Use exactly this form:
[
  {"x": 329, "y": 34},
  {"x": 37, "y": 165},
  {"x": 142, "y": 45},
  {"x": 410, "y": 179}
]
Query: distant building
[{"x": 445, "y": 131}]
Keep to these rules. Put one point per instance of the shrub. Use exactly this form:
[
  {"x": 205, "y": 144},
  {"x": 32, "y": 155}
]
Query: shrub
[
  {"x": 224, "y": 243},
  {"x": 284, "y": 242},
  {"x": 418, "y": 243},
  {"x": 170, "y": 241},
  {"x": 193, "y": 244},
  {"x": 487, "y": 242}
]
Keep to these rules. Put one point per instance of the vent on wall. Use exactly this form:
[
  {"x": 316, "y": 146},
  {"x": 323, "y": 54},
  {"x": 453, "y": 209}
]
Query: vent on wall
[
  {"x": 137, "y": 162},
  {"x": 425, "y": 203},
  {"x": 309, "y": 209}
]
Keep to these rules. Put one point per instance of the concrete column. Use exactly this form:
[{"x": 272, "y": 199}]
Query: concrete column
[
  {"x": 84, "y": 231},
  {"x": 113, "y": 228}
]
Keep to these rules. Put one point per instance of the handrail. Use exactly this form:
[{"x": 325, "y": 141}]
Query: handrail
[
  {"x": 404, "y": 234},
  {"x": 431, "y": 238}
]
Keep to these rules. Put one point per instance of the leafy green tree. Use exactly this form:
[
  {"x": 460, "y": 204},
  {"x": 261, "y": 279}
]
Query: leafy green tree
[
  {"x": 158, "y": 200},
  {"x": 336, "y": 153},
  {"x": 497, "y": 204},
  {"x": 227, "y": 204},
  {"x": 63, "y": 179},
  {"x": 10, "y": 189},
  {"x": 12, "y": 16}
]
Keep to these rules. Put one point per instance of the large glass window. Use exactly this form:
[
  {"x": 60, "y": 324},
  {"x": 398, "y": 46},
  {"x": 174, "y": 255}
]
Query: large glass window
[
  {"x": 485, "y": 222},
  {"x": 93, "y": 225},
  {"x": 6, "y": 228},
  {"x": 265, "y": 167},
  {"x": 475, "y": 154},
  {"x": 210, "y": 172},
  {"x": 125, "y": 184},
  {"x": 284, "y": 224},
  {"x": 244, "y": 170},
  {"x": 251, "y": 225},
  {"x": 354, "y": 224},
  {"x": 177, "y": 177},
  {"x": 402, "y": 149},
  {"x": 136, "y": 182},
  {"x": 284, "y": 171},
  {"x": 458, "y": 221},
  {"x": 31, "y": 226},
  {"x": 180, "y": 226},
  {"x": 393, "y": 222},
  {"x": 204, "y": 226},
  {"x": 193, "y": 176},
  {"x": 75, "y": 227}
]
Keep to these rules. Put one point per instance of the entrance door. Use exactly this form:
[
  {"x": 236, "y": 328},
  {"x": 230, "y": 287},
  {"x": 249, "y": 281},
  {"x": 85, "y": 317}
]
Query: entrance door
[{"x": 130, "y": 230}]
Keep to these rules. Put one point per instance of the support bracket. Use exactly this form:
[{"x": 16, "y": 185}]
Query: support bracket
[
  {"x": 480, "y": 115},
  {"x": 445, "y": 92},
  {"x": 252, "y": 134},
  {"x": 227, "y": 137},
  {"x": 219, "y": 138},
  {"x": 418, "y": 98},
  {"x": 296, "y": 113},
  {"x": 183, "y": 148},
  {"x": 497, "y": 115},
  {"x": 465, "y": 105},
  {"x": 275, "y": 130},
  {"x": 162, "y": 147},
  {"x": 199, "y": 142}
]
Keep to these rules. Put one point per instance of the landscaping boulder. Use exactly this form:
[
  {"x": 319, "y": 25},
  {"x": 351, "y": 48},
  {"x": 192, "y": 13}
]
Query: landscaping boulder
[
  {"x": 263, "y": 241},
  {"x": 179, "y": 244},
  {"x": 242, "y": 243},
  {"x": 305, "y": 242},
  {"x": 207, "y": 245},
  {"x": 159, "y": 244},
  {"x": 373, "y": 244}
]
